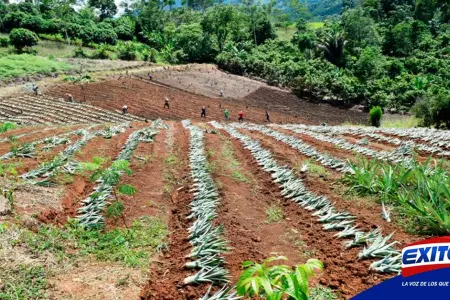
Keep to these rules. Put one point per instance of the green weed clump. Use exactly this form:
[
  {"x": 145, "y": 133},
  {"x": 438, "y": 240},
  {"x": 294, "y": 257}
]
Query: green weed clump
[{"x": 4, "y": 127}]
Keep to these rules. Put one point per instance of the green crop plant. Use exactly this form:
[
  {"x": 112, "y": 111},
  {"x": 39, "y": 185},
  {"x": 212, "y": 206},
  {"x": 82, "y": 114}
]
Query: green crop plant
[
  {"x": 90, "y": 214},
  {"x": 4, "y": 127},
  {"x": 276, "y": 282},
  {"x": 116, "y": 208},
  {"x": 419, "y": 191}
]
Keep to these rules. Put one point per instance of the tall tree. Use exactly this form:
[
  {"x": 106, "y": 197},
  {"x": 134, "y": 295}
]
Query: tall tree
[
  {"x": 107, "y": 8},
  {"x": 218, "y": 21},
  {"x": 201, "y": 5},
  {"x": 332, "y": 44}
]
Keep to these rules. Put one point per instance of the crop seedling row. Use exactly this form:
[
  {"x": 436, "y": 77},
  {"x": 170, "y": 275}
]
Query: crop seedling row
[
  {"x": 90, "y": 214},
  {"x": 46, "y": 169},
  {"x": 375, "y": 245},
  {"x": 401, "y": 155},
  {"x": 370, "y": 132},
  {"x": 206, "y": 239}
]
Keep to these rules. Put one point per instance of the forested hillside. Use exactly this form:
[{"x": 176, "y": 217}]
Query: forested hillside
[
  {"x": 324, "y": 8},
  {"x": 394, "y": 54}
]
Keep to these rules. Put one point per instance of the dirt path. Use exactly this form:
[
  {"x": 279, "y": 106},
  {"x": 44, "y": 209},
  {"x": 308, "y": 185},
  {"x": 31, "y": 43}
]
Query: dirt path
[{"x": 244, "y": 202}]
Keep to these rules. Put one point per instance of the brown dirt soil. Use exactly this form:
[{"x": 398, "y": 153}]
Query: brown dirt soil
[
  {"x": 343, "y": 271},
  {"x": 167, "y": 272},
  {"x": 374, "y": 144},
  {"x": 208, "y": 81},
  {"x": 247, "y": 92},
  {"x": 96, "y": 280},
  {"x": 243, "y": 211},
  {"x": 20, "y": 130},
  {"x": 146, "y": 99},
  {"x": 321, "y": 146},
  {"x": 81, "y": 187},
  {"x": 147, "y": 177},
  {"x": 368, "y": 212}
]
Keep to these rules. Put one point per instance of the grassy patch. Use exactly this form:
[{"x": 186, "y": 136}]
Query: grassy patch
[
  {"x": 312, "y": 168},
  {"x": 26, "y": 64},
  {"x": 320, "y": 292},
  {"x": 274, "y": 214},
  {"x": 10, "y": 169},
  {"x": 58, "y": 49},
  {"x": 129, "y": 246},
  {"x": 233, "y": 166},
  {"x": 171, "y": 164},
  {"x": 285, "y": 33},
  {"x": 63, "y": 179},
  {"x": 23, "y": 282},
  {"x": 34, "y": 256},
  {"x": 400, "y": 122},
  {"x": 316, "y": 25},
  {"x": 236, "y": 175},
  {"x": 4, "y": 127}
]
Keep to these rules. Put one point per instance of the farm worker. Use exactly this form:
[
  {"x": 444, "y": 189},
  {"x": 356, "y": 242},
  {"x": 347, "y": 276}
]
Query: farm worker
[
  {"x": 221, "y": 93},
  {"x": 150, "y": 76},
  {"x": 69, "y": 97},
  {"x": 35, "y": 89},
  {"x": 203, "y": 115},
  {"x": 226, "y": 114},
  {"x": 267, "y": 116},
  {"x": 166, "y": 103},
  {"x": 124, "y": 109},
  {"x": 241, "y": 116}
]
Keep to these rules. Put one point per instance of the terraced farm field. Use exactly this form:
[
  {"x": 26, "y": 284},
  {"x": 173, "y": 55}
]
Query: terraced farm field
[
  {"x": 165, "y": 208},
  {"x": 189, "y": 90}
]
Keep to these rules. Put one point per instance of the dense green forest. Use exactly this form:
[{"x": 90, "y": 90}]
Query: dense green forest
[{"x": 393, "y": 54}]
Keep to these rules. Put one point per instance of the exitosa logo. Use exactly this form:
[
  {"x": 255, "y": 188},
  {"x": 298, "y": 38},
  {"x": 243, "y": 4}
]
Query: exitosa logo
[{"x": 427, "y": 255}]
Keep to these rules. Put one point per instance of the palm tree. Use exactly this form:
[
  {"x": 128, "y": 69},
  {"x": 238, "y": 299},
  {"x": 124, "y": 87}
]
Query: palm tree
[{"x": 332, "y": 45}]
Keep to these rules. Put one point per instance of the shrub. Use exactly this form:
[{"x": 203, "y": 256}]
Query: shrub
[
  {"x": 79, "y": 53},
  {"x": 375, "y": 115},
  {"x": 434, "y": 110},
  {"x": 13, "y": 20},
  {"x": 21, "y": 38},
  {"x": 4, "y": 42},
  {"x": 102, "y": 52},
  {"x": 128, "y": 51}
]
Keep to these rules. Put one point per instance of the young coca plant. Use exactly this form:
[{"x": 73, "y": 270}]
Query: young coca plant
[
  {"x": 116, "y": 208},
  {"x": 276, "y": 282},
  {"x": 111, "y": 177}
]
